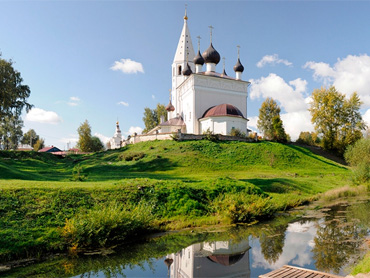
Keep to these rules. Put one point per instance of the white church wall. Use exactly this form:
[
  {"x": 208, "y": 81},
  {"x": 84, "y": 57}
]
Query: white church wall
[{"x": 223, "y": 125}]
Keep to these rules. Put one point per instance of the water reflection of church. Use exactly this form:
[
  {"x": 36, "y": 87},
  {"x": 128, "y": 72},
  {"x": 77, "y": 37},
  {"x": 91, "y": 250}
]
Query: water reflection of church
[{"x": 211, "y": 259}]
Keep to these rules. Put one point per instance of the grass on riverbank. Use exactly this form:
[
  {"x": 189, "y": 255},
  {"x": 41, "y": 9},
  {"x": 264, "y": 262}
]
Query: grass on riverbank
[{"x": 173, "y": 184}]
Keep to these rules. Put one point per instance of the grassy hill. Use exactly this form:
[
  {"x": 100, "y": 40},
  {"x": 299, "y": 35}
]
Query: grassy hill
[{"x": 151, "y": 186}]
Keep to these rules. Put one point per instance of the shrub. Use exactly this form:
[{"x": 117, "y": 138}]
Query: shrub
[
  {"x": 237, "y": 133},
  {"x": 358, "y": 156},
  {"x": 309, "y": 138},
  {"x": 131, "y": 156},
  {"x": 106, "y": 224},
  {"x": 208, "y": 135},
  {"x": 78, "y": 173},
  {"x": 244, "y": 208}
]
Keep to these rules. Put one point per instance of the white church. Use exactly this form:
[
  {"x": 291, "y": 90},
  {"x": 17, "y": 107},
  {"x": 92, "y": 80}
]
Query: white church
[{"x": 201, "y": 99}]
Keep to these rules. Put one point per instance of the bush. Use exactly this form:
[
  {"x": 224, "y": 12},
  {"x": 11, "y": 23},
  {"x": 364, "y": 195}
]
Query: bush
[
  {"x": 208, "y": 135},
  {"x": 106, "y": 224},
  {"x": 358, "y": 156},
  {"x": 308, "y": 138},
  {"x": 78, "y": 173},
  {"x": 131, "y": 156},
  {"x": 237, "y": 133},
  {"x": 243, "y": 208}
]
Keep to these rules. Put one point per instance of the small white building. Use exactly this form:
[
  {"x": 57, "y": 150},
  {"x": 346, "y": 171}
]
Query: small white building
[
  {"x": 201, "y": 98},
  {"x": 116, "y": 140}
]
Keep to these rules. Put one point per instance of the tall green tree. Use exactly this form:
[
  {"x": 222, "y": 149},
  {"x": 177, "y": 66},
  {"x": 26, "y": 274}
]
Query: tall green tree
[
  {"x": 86, "y": 142},
  {"x": 152, "y": 117},
  {"x": 336, "y": 119},
  {"x": 40, "y": 143},
  {"x": 10, "y": 132},
  {"x": 278, "y": 130},
  {"x": 30, "y": 137},
  {"x": 13, "y": 94},
  {"x": 269, "y": 121},
  {"x": 308, "y": 138}
]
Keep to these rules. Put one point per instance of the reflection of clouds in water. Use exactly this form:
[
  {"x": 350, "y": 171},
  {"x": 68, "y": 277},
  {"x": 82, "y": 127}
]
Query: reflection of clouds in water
[{"x": 297, "y": 247}]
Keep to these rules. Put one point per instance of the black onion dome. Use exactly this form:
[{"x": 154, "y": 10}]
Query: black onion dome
[
  {"x": 238, "y": 66},
  {"x": 211, "y": 55},
  {"x": 187, "y": 70},
  {"x": 223, "y": 73},
  {"x": 198, "y": 60}
]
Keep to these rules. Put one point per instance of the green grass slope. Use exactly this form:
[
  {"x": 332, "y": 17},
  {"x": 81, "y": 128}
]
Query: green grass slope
[{"x": 157, "y": 185}]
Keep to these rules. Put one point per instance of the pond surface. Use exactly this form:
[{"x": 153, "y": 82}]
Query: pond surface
[{"x": 329, "y": 239}]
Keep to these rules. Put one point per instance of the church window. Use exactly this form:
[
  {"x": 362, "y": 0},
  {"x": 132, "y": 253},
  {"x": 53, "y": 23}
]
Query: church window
[{"x": 179, "y": 70}]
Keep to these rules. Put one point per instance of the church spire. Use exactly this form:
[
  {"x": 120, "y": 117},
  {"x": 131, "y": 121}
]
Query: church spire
[
  {"x": 186, "y": 15},
  {"x": 185, "y": 44}
]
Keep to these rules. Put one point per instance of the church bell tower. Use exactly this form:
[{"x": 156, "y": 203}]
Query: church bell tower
[{"x": 184, "y": 55}]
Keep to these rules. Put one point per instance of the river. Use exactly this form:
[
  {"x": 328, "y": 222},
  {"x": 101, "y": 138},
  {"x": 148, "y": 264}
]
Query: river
[{"x": 329, "y": 239}]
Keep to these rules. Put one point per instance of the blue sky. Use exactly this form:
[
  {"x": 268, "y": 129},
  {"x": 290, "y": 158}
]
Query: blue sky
[{"x": 65, "y": 51}]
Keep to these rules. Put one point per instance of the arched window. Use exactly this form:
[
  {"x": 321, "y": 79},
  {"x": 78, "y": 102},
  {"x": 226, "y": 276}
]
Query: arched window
[{"x": 179, "y": 70}]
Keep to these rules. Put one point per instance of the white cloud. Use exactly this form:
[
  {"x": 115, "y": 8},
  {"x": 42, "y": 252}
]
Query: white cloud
[
  {"x": 366, "y": 117},
  {"x": 102, "y": 137},
  {"x": 272, "y": 59},
  {"x": 42, "y": 116},
  {"x": 348, "y": 75},
  {"x": 73, "y": 101},
  {"x": 295, "y": 122},
  {"x": 153, "y": 96},
  {"x": 289, "y": 95},
  {"x": 72, "y": 139},
  {"x": 128, "y": 66},
  {"x": 134, "y": 129},
  {"x": 296, "y": 117},
  {"x": 253, "y": 122},
  {"x": 122, "y": 103}
]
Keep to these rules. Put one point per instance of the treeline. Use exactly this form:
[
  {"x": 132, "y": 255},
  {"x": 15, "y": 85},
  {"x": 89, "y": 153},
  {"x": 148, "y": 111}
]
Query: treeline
[{"x": 337, "y": 121}]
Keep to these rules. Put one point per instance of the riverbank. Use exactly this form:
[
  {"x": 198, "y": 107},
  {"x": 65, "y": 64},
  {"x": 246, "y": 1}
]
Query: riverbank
[{"x": 91, "y": 201}]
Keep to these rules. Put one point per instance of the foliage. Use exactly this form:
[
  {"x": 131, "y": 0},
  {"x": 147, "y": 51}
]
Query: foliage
[
  {"x": 86, "y": 142},
  {"x": 13, "y": 94},
  {"x": 336, "y": 119},
  {"x": 106, "y": 224},
  {"x": 152, "y": 117},
  {"x": 96, "y": 144},
  {"x": 308, "y": 138},
  {"x": 40, "y": 143},
  {"x": 358, "y": 156},
  {"x": 10, "y": 132},
  {"x": 242, "y": 208},
  {"x": 208, "y": 135},
  {"x": 278, "y": 134},
  {"x": 269, "y": 122},
  {"x": 363, "y": 266},
  {"x": 237, "y": 132},
  {"x": 78, "y": 173},
  {"x": 30, "y": 137},
  {"x": 131, "y": 156}
]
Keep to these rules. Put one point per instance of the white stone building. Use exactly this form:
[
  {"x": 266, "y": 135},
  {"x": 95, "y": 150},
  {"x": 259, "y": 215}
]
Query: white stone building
[
  {"x": 203, "y": 99},
  {"x": 116, "y": 140}
]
